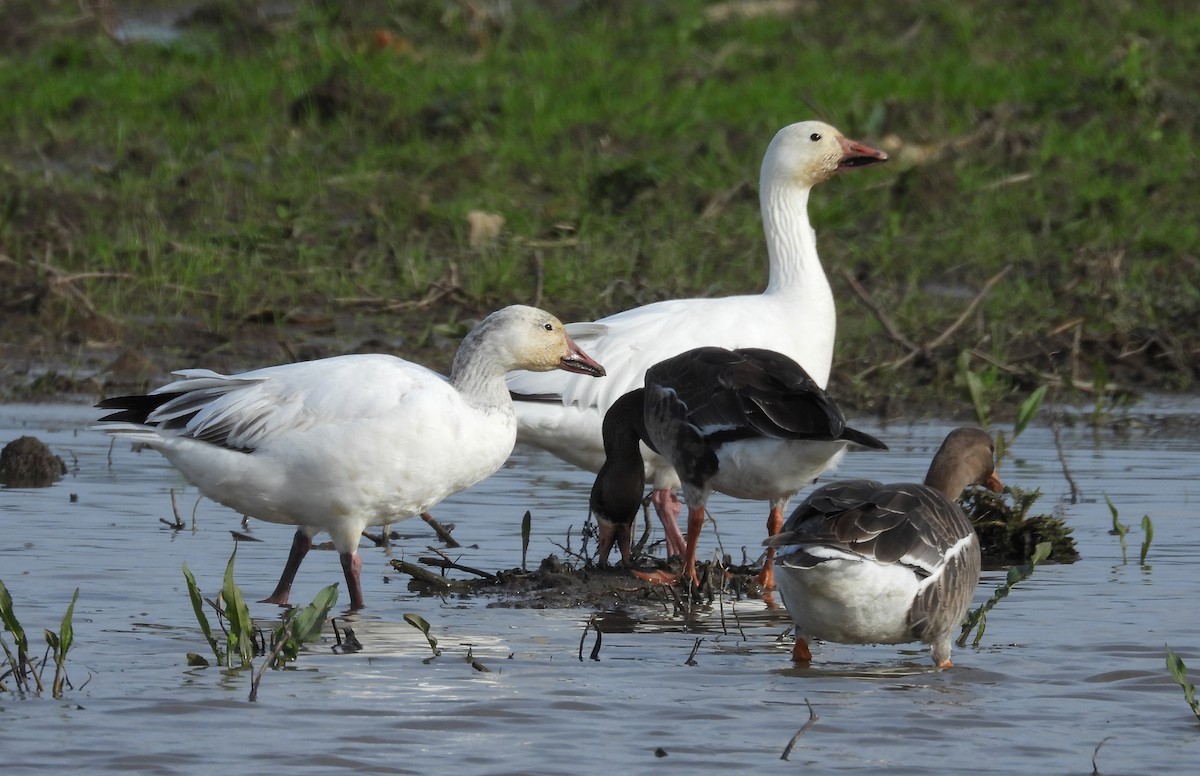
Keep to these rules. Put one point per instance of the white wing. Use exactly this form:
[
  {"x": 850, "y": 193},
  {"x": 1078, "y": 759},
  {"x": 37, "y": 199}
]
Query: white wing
[{"x": 246, "y": 411}]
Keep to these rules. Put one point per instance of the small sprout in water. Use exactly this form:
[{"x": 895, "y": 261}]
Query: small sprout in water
[
  {"x": 1118, "y": 528},
  {"x": 26, "y": 673},
  {"x": 1179, "y": 674},
  {"x": 418, "y": 622},
  {"x": 1147, "y": 537}
]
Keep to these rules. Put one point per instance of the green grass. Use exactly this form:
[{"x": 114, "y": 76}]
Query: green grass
[{"x": 308, "y": 166}]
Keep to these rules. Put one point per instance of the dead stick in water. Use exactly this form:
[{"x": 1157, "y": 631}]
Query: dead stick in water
[
  {"x": 428, "y": 577},
  {"x": 1062, "y": 460},
  {"x": 583, "y": 637},
  {"x": 812, "y": 719},
  {"x": 178, "y": 524},
  {"x": 440, "y": 530},
  {"x": 444, "y": 562}
]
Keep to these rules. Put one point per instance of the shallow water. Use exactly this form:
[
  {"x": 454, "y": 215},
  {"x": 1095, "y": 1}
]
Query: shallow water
[{"x": 1074, "y": 657}]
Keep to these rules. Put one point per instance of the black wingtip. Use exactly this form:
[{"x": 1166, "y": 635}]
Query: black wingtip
[{"x": 863, "y": 438}]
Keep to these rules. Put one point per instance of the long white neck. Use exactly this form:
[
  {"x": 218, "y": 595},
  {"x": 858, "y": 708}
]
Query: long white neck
[
  {"x": 791, "y": 243},
  {"x": 797, "y": 278}
]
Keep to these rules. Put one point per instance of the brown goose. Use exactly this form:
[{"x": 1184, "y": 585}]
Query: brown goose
[
  {"x": 861, "y": 562},
  {"x": 749, "y": 423}
]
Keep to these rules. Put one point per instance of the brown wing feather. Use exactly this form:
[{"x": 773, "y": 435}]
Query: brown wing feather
[{"x": 897, "y": 523}]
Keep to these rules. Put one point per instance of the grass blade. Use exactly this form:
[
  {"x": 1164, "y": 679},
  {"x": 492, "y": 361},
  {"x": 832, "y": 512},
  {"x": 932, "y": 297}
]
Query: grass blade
[
  {"x": 1118, "y": 528},
  {"x": 198, "y": 607},
  {"x": 66, "y": 631},
  {"x": 1148, "y": 536},
  {"x": 1028, "y": 409},
  {"x": 978, "y": 399},
  {"x": 12, "y": 625},
  {"x": 241, "y": 627},
  {"x": 66, "y": 636}
]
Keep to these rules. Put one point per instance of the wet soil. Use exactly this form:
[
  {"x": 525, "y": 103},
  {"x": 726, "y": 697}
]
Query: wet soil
[
  {"x": 51, "y": 349},
  {"x": 1008, "y": 535},
  {"x": 556, "y": 583}
]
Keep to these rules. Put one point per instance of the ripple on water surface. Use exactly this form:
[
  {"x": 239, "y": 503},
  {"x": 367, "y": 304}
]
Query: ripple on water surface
[{"x": 1073, "y": 657}]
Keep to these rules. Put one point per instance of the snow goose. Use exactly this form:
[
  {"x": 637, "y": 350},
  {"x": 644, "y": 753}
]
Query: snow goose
[
  {"x": 342, "y": 443},
  {"x": 750, "y": 423},
  {"x": 866, "y": 563},
  {"x": 794, "y": 316}
]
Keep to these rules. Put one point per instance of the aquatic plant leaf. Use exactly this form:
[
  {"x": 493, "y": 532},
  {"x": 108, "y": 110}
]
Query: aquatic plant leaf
[
  {"x": 1028, "y": 410},
  {"x": 418, "y": 622},
  {"x": 198, "y": 607},
  {"x": 306, "y": 626},
  {"x": 241, "y": 627},
  {"x": 299, "y": 627},
  {"x": 526, "y": 529},
  {"x": 982, "y": 627},
  {"x": 1015, "y": 574},
  {"x": 66, "y": 632},
  {"x": 978, "y": 399},
  {"x": 1118, "y": 528},
  {"x": 11, "y": 624},
  {"x": 1178, "y": 672},
  {"x": 1147, "y": 537}
]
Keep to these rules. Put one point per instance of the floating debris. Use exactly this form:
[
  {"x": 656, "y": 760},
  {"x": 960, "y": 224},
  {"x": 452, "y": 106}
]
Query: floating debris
[
  {"x": 1008, "y": 534},
  {"x": 26, "y": 462}
]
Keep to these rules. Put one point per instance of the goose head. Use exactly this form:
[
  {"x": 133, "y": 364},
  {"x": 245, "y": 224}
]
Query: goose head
[
  {"x": 810, "y": 152},
  {"x": 616, "y": 494},
  {"x": 523, "y": 337},
  {"x": 966, "y": 457}
]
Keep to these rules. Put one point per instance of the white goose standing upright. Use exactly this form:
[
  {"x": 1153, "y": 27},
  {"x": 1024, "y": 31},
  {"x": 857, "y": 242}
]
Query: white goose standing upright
[
  {"x": 861, "y": 562},
  {"x": 342, "y": 443},
  {"x": 794, "y": 316}
]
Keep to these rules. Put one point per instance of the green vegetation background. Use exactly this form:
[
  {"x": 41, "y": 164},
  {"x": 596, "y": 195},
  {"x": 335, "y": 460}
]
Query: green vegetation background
[{"x": 306, "y": 176}]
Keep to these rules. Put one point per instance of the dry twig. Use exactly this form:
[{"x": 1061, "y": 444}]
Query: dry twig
[
  {"x": 812, "y": 720},
  {"x": 915, "y": 350}
]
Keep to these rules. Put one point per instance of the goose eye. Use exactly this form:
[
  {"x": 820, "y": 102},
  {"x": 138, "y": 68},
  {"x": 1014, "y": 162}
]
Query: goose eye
[
  {"x": 548, "y": 326},
  {"x": 815, "y": 137}
]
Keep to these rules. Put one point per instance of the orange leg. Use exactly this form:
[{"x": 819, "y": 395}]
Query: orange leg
[
  {"x": 766, "y": 578},
  {"x": 695, "y": 522},
  {"x": 666, "y": 505},
  {"x": 801, "y": 653}
]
